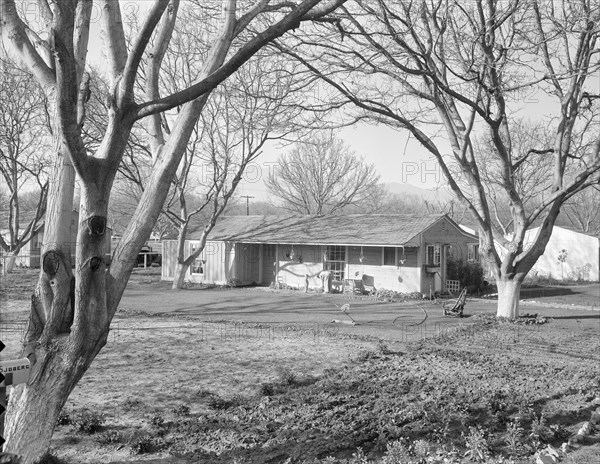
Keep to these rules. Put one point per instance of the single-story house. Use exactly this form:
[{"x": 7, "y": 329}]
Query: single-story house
[
  {"x": 405, "y": 253},
  {"x": 30, "y": 254}
]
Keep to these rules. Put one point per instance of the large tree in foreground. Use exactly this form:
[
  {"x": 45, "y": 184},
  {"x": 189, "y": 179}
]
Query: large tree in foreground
[
  {"x": 321, "y": 176},
  {"x": 72, "y": 307},
  {"x": 449, "y": 71}
]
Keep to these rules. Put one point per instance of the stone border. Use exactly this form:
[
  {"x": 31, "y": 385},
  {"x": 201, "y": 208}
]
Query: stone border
[{"x": 551, "y": 455}]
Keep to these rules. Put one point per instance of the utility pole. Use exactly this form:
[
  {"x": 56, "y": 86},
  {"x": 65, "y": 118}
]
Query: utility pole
[{"x": 247, "y": 197}]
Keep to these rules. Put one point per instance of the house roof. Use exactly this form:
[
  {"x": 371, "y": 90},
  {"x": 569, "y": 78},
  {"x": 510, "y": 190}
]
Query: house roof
[{"x": 354, "y": 229}]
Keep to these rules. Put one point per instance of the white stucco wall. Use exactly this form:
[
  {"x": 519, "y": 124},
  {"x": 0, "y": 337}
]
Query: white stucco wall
[{"x": 582, "y": 256}]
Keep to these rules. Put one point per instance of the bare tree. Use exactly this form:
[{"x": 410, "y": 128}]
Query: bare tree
[
  {"x": 238, "y": 120},
  {"x": 72, "y": 307},
  {"x": 532, "y": 181},
  {"x": 448, "y": 71},
  {"x": 321, "y": 176},
  {"x": 582, "y": 211},
  {"x": 24, "y": 136}
]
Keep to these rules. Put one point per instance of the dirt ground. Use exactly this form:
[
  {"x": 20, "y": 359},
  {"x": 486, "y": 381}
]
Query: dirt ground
[{"x": 221, "y": 375}]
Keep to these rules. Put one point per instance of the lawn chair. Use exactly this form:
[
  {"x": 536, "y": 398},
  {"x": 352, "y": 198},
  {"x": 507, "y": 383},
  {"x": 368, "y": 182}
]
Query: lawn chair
[
  {"x": 455, "y": 307},
  {"x": 368, "y": 284},
  {"x": 279, "y": 282},
  {"x": 358, "y": 287}
]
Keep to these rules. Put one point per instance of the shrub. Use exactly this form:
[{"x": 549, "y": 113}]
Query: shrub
[
  {"x": 217, "y": 402},
  {"x": 383, "y": 348},
  {"x": 559, "y": 432},
  {"x": 470, "y": 275},
  {"x": 146, "y": 443},
  {"x": 156, "y": 420},
  {"x": 513, "y": 437},
  {"x": 88, "y": 421},
  {"x": 266, "y": 389},
  {"x": 181, "y": 410},
  {"x": 365, "y": 354},
  {"x": 581, "y": 273},
  {"x": 64, "y": 418},
  {"x": 539, "y": 430},
  {"x": 110, "y": 437},
  {"x": 397, "y": 451},
  {"x": 477, "y": 445},
  {"x": 131, "y": 403},
  {"x": 287, "y": 376},
  {"x": 391, "y": 296},
  {"x": 46, "y": 459}
]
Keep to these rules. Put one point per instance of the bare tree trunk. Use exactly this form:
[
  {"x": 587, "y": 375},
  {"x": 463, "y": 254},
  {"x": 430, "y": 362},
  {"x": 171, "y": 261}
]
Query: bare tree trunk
[
  {"x": 180, "y": 267},
  {"x": 509, "y": 292},
  {"x": 69, "y": 318},
  {"x": 184, "y": 264},
  {"x": 36, "y": 407},
  {"x": 179, "y": 280},
  {"x": 10, "y": 262}
]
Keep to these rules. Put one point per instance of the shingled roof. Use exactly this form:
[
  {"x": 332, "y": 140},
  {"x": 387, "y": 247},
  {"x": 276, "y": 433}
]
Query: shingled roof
[{"x": 354, "y": 229}]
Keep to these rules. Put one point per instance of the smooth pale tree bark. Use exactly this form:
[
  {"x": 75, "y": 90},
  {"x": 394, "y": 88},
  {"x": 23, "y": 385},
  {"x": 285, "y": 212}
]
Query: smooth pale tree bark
[
  {"x": 508, "y": 298},
  {"x": 460, "y": 70},
  {"x": 72, "y": 308}
]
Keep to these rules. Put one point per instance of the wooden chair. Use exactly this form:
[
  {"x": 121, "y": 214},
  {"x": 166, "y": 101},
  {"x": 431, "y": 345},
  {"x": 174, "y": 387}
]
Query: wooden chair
[
  {"x": 368, "y": 284},
  {"x": 358, "y": 287},
  {"x": 455, "y": 307},
  {"x": 279, "y": 283}
]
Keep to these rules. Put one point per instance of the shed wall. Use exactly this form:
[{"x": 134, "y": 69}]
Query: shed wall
[
  {"x": 218, "y": 269},
  {"x": 582, "y": 260}
]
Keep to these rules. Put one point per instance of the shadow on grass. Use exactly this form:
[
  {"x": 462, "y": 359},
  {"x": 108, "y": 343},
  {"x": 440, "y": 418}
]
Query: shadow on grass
[
  {"x": 535, "y": 292},
  {"x": 591, "y": 316}
]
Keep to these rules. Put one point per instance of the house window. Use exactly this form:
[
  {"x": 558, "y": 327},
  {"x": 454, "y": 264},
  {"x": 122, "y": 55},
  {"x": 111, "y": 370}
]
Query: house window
[
  {"x": 389, "y": 256},
  {"x": 335, "y": 261},
  {"x": 197, "y": 267},
  {"x": 433, "y": 254},
  {"x": 473, "y": 252}
]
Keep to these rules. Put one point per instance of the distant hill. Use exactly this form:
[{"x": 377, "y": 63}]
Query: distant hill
[{"x": 442, "y": 194}]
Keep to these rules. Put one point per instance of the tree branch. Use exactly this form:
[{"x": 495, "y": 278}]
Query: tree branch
[
  {"x": 163, "y": 38},
  {"x": 291, "y": 20},
  {"x": 138, "y": 48},
  {"x": 113, "y": 36},
  {"x": 13, "y": 31}
]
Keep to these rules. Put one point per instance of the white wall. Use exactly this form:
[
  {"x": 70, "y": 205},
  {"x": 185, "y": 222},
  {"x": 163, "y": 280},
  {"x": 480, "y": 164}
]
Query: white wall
[{"x": 582, "y": 253}]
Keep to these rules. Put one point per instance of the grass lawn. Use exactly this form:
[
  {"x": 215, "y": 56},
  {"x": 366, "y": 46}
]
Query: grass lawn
[{"x": 259, "y": 376}]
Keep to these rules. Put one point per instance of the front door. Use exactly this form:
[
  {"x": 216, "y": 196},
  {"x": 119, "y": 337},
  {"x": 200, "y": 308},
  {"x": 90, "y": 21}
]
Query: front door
[{"x": 268, "y": 263}]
